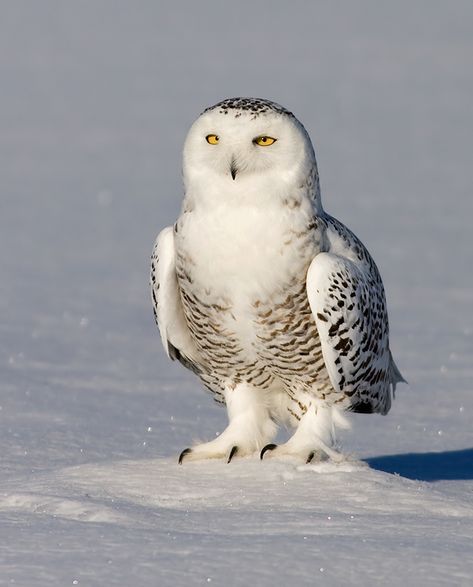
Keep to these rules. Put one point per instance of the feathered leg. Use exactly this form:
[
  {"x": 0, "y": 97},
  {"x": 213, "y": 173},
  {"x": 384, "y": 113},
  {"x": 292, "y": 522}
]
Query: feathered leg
[
  {"x": 250, "y": 427},
  {"x": 314, "y": 437}
]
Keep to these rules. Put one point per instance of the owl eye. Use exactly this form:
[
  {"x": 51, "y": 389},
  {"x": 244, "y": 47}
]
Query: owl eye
[
  {"x": 212, "y": 139},
  {"x": 264, "y": 141}
]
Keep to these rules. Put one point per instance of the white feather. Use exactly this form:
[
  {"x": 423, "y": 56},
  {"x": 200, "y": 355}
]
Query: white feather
[
  {"x": 166, "y": 297},
  {"x": 251, "y": 224}
]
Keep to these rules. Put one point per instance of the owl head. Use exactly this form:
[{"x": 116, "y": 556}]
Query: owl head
[{"x": 248, "y": 147}]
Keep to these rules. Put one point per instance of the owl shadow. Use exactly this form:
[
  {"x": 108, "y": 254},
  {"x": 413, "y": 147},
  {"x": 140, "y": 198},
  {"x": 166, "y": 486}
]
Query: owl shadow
[{"x": 452, "y": 465}]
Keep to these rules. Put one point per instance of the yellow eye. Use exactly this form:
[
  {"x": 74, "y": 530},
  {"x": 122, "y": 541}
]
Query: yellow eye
[
  {"x": 264, "y": 141},
  {"x": 212, "y": 139}
]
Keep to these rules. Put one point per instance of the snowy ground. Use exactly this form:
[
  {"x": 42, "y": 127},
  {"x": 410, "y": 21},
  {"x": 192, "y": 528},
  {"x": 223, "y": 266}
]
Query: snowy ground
[{"x": 96, "y": 98}]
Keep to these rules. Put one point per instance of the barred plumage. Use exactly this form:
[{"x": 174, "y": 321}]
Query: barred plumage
[{"x": 274, "y": 304}]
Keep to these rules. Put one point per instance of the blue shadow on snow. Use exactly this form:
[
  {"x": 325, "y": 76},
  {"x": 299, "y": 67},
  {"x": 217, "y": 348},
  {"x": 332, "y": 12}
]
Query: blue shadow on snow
[{"x": 427, "y": 466}]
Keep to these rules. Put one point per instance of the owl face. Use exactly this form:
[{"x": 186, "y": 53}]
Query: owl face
[{"x": 246, "y": 140}]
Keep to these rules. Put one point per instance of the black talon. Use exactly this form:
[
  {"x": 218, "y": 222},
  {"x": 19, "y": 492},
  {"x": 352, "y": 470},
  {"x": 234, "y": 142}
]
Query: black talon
[
  {"x": 310, "y": 457},
  {"x": 267, "y": 447},
  {"x": 185, "y": 452},
  {"x": 232, "y": 453}
]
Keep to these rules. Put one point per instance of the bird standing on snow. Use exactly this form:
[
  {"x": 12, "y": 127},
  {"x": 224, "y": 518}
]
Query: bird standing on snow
[{"x": 274, "y": 304}]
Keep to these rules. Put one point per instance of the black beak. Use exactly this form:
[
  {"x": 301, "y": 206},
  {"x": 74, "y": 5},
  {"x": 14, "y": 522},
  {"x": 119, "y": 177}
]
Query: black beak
[{"x": 233, "y": 168}]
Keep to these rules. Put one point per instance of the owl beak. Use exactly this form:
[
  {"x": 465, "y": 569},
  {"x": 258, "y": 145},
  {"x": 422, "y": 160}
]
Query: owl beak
[{"x": 233, "y": 168}]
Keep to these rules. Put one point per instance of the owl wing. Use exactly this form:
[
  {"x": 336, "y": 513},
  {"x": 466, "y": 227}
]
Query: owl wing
[
  {"x": 349, "y": 308},
  {"x": 167, "y": 305}
]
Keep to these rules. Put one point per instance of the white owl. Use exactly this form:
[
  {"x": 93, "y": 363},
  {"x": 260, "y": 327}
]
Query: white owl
[{"x": 274, "y": 304}]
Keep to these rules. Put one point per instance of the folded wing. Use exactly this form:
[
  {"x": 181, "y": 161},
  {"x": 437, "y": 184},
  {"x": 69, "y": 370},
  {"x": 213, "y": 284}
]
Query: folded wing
[
  {"x": 349, "y": 308},
  {"x": 167, "y": 305}
]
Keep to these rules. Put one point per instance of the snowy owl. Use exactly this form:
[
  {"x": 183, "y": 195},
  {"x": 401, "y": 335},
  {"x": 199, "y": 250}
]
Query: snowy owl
[{"x": 274, "y": 304}]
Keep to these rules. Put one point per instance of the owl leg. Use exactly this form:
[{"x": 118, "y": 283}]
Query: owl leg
[
  {"x": 250, "y": 427},
  {"x": 314, "y": 437}
]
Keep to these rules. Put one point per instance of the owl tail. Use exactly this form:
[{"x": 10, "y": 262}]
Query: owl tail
[{"x": 396, "y": 376}]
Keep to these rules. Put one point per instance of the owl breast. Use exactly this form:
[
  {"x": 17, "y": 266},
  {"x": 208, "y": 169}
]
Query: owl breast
[{"x": 243, "y": 288}]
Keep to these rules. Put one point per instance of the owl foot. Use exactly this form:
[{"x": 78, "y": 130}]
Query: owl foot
[
  {"x": 250, "y": 427},
  {"x": 313, "y": 438},
  {"x": 188, "y": 451},
  {"x": 304, "y": 454},
  {"x": 212, "y": 450}
]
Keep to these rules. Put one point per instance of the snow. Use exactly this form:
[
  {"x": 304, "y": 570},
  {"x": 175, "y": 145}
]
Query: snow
[{"x": 96, "y": 100}]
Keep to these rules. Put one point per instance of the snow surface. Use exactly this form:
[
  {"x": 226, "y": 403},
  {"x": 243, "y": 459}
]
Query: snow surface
[{"x": 96, "y": 99}]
